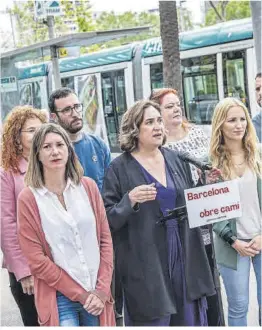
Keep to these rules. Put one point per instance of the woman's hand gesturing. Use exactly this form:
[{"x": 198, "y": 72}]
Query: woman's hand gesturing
[{"x": 143, "y": 193}]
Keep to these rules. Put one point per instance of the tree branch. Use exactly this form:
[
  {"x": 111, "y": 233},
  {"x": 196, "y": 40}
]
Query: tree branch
[{"x": 216, "y": 11}]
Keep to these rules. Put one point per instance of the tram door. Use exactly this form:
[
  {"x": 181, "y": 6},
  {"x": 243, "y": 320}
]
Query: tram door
[
  {"x": 33, "y": 92},
  {"x": 114, "y": 104},
  {"x": 200, "y": 88},
  {"x": 235, "y": 75}
]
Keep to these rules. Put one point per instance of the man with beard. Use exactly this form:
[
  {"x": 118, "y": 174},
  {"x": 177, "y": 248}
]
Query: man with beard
[
  {"x": 93, "y": 153},
  {"x": 258, "y": 118}
]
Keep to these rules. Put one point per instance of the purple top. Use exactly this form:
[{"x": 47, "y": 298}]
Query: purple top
[{"x": 189, "y": 313}]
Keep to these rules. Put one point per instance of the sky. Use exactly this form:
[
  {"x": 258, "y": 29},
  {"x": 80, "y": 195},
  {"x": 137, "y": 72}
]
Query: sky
[{"x": 108, "y": 5}]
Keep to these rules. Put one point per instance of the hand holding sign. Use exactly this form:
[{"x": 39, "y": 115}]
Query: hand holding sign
[
  {"x": 212, "y": 176},
  {"x": 212, "y": 203}
]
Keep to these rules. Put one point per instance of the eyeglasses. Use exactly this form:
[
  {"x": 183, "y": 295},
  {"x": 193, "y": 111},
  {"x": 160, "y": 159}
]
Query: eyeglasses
[
  {"x": 30, "y": 130},
  {"x": 78, "y": 107}
]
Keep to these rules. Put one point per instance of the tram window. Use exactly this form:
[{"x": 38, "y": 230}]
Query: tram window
[
  {"x": 200, "y": 88},
  {"x": 68, "y": 82},
  {"x": 234, "y": 75},
  {"x": 156, "y": 75},
  {"x": 120, "y": 96},
  {"x": 114, "y": 104},
  {"x": 30, "y": 93}
]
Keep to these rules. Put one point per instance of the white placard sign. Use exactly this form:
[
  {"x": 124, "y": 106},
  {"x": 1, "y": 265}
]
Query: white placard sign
[
  {"x": 8, "y": 84},
  {"x": 213, "y": 203},
  {"x": 45, "y": 8}
]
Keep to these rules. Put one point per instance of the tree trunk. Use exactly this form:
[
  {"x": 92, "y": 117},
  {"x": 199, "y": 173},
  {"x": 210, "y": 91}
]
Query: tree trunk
[{"x": 170, "y": 46}]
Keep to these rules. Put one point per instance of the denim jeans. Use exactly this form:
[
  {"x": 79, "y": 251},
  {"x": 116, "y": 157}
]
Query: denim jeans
[
  {"x": 237, "y": 288},
  {"x": 73, "y": 314}
]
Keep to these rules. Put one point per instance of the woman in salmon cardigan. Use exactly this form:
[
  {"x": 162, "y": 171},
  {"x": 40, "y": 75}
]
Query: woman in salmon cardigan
[{"x": 64, "y": 234}]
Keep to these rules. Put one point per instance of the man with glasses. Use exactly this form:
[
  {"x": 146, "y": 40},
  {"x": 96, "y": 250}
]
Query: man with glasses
[{"x": 93, "y": 153}]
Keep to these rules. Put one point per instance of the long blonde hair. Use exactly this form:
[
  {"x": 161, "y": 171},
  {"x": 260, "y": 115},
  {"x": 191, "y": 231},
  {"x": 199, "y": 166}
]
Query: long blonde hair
[{"x": 219, "y": 154}]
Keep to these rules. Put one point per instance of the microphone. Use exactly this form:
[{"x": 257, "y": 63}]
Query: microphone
[{"x": 203, "y": 166}]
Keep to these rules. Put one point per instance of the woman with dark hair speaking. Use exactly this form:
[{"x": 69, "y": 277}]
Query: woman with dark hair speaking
[
  {"x": 163, "y": 266},
  {"x": 64, "y": 234}
]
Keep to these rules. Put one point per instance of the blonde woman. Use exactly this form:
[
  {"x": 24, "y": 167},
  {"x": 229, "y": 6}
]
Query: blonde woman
[
  {"x": 57, "y": 211},
  {"x": 234, "y": 150}
]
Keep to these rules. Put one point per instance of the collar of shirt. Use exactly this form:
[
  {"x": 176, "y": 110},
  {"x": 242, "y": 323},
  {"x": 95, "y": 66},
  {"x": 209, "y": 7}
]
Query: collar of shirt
[{"x": 42, "y": 191}]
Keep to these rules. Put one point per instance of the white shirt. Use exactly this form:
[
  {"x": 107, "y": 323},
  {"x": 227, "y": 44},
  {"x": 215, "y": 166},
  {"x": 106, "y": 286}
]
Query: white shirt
[
  {"x": 249, "y": 224},
  {"x": 71, "y": 234}
]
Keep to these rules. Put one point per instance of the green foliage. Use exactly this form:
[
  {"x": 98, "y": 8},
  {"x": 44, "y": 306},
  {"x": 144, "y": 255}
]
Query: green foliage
[
  {"x": 111, "y": 21},
  {"x": 80, "y": 14},
  {"x": 233, "y": 10},
  {"x": 30, "y": 31}
]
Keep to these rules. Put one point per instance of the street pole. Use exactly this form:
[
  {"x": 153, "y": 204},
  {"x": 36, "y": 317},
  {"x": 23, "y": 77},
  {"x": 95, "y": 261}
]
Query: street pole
[
  {"x": 181, "y": 12},
  {"x": 256, "y": 22},
  {"x": 54, "y": 53},
  {"x": 12, "y": 27}
]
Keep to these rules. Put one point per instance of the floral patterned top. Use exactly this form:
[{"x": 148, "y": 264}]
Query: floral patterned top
[{"x": 196, "y": 143}]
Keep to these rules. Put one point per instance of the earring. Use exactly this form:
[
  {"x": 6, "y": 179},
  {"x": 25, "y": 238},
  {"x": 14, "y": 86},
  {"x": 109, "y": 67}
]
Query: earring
[
  {"x": 19, "y": 146},
  {"x": 221, "y": 138}
]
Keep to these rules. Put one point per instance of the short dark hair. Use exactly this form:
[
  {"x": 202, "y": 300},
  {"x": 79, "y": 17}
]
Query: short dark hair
[
  {"x": 59, "y": 93},
  {"x": 258, "y": 75},
  {"x": 131, "y": 122}
]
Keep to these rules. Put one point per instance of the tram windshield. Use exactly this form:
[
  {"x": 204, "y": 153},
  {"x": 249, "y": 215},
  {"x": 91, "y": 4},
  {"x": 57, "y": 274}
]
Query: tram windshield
[{"x": 200, "y": 88}]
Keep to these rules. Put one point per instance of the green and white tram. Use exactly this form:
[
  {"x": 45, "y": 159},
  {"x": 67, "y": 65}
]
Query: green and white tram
[{"x": 216, "y": 62}]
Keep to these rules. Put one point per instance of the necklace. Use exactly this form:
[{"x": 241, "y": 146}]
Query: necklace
[
  {"x": 240, "y": 163},
  {"x": 59, "y": 195}
]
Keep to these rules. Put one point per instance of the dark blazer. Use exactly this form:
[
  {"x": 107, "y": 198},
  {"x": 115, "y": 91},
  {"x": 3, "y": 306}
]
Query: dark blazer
[{"x": 140, "y": 242}]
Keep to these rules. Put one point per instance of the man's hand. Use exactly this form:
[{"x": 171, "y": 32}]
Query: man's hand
[
  {"x": 94, "y": 305},
  {"x": 244, "y": 248},
  {"x": 256, "y": 243},
  {"x": 28, "y": 284}
]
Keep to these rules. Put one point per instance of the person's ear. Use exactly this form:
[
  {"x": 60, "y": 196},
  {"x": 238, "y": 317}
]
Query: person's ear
[{"x": 53, "y": 117}]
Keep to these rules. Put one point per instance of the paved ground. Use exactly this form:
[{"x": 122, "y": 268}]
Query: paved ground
[{"x": 10, "y": 315}]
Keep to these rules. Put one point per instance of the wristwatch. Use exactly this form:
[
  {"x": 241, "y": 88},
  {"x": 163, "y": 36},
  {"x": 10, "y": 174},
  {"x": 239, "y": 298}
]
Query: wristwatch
[{"x": 231, "y": 240}]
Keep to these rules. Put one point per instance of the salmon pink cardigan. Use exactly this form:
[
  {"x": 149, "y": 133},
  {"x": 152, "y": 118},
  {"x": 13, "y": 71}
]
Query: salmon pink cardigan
[
  {"x": 48, "y": 277},
  {"x": 11, "y": 184}
]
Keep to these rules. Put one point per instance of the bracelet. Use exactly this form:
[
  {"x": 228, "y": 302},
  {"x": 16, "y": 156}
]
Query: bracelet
[
  {"x": 136, "y": 207},
  {"x": 229, "y": 237}
]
